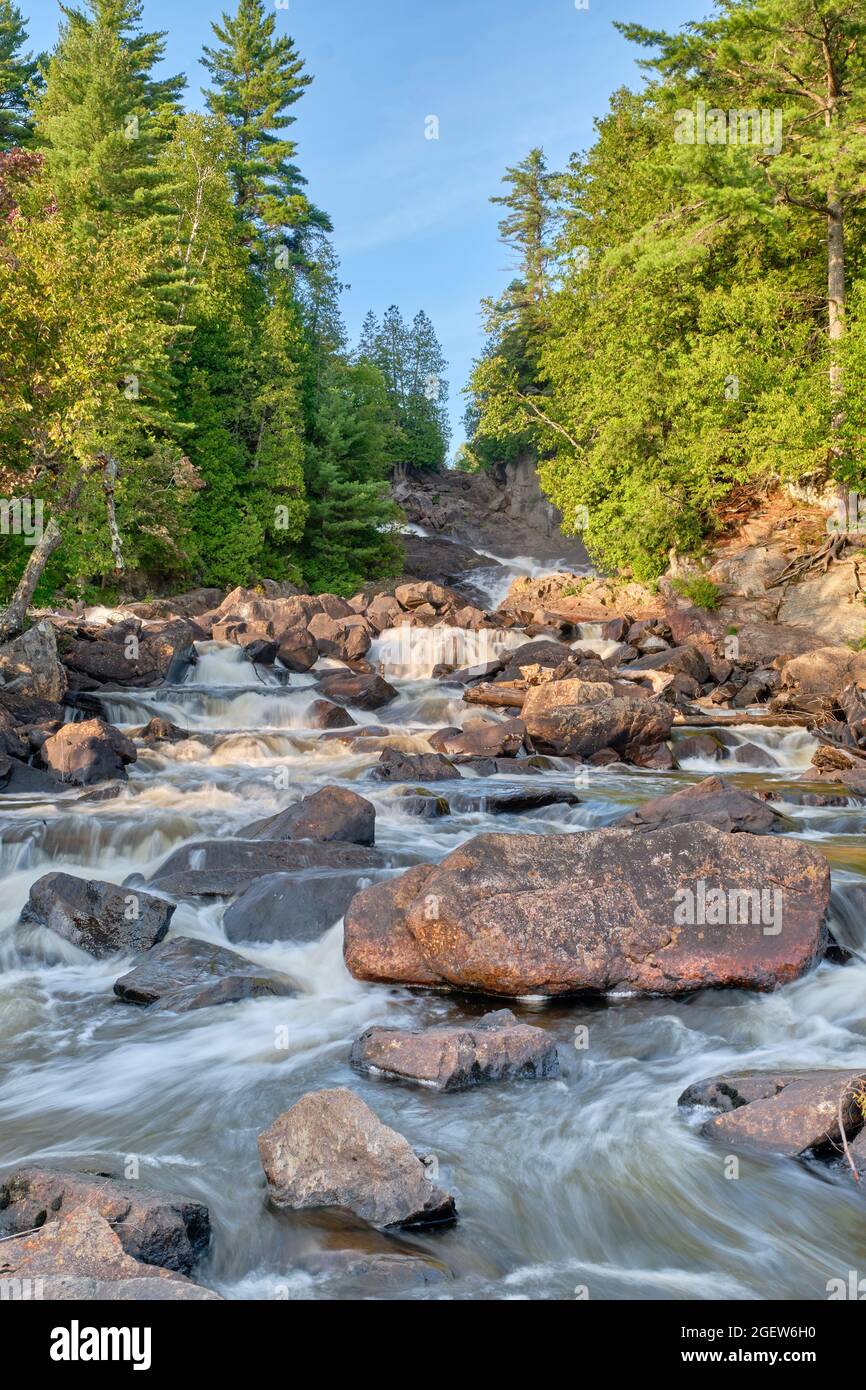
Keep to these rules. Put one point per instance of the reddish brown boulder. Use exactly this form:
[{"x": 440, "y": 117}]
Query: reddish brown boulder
[
  {"x": 331, "y": 1150},
  {"x": 496, "y": 1047},
  {"x": 482, "y": 738},
  {"x": 685, "y": 908},
  {"x": 81, "y": 1244},
  {"x": 577, "y": 719},
  {"x": 323, "y": 714},
  {"x": 345, "y": 639},
  {"x": 297, "y": 650},
  {"x": 786, "y": 1113}
]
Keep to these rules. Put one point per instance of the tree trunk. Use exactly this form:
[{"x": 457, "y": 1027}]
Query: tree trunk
[
  {"x": 109, "y": 478},
  {"x": 12, "y": 619},
  {"x": 836, "y": 319}
]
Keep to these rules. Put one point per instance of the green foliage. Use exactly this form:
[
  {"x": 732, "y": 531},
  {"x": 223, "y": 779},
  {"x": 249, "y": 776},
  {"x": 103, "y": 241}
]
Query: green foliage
[
  {"x": 17, "y": 73},
  {"x": 700, "y": 591},
  {"x": 411, "y": 363}
]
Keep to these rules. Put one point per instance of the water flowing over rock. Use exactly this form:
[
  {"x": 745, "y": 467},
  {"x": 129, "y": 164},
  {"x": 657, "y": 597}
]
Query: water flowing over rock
[
  {"x": 100, "y": 918},
  {"x": 364, "y": 692},
  {"x": 495, "y": 1048},
  {"x": 793, "y": 1114},
  {"x": 292, "y": 907},
  {"x": 331, "y": 1150},
  {"x": 155, "y": 1228},
  {"x": 224, "y": 868},
  {"x": 396, "y": 766},
  {"x": 185, "y": 974},
  {"x": 599, "y": 912}
]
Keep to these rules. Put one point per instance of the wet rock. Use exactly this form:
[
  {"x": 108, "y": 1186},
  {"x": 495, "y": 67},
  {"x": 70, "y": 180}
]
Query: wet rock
[
  {"x": 511, "y": 801},
  {"x": 81, "y": 1245},
  {"x": 24, "y": 780},
  {"x": 186, "y": 974},
  {"x": 657, "y": 758},
  {"x": 373, "y": 1274},
  {"x": 153, "y": 1227},
  {"x": 297, "y": 650},
  {"x": 712, "y": 802},
  {"x": 331, "y": 1150},
  {"x": 424, "y": 803},
  {"x": 495, "y": 1048},
  {"x": 330, "y": 814},
  {"x": 396, "y": 766},
  {"x": 483, "y": 739},
  {"x": 225, "y": 868},
  {"x": 99, "y": 918},
  {"x": 292, "y": 907},
  {"x": 30, "y": 666},
  {"x": 129, "y": 656},
  {"x": 678, "y": 910},
  {"x": 322, "y": 714},
  {"x": 88, "y": 752},
  {"x": 749, "y": 755},
  {"x": 564, "y": 717},
  {"x": 699, "y": 746},
  {"x": 787, "y": 1113},
  {"x": 162, "y": 731},
  {"x": 72, "y": 1288},
  {"x": 261, "y": 651},
  {"x": 364, "y": 692}
]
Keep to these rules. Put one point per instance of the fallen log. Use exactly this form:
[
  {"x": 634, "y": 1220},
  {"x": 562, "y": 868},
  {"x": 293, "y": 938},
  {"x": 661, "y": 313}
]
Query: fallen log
[{"x": 503, "y": 695}]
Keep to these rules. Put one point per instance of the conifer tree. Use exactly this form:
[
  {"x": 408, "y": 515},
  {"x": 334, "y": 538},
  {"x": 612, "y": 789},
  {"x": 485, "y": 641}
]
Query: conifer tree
[{"x": 17, "y": 72}]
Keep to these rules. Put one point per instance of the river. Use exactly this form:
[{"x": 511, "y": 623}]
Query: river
[{"x": 590, "y": 1185}]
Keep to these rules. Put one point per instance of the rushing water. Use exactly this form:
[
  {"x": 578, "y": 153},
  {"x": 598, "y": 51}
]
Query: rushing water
[{"x": 592, "y": 1181}]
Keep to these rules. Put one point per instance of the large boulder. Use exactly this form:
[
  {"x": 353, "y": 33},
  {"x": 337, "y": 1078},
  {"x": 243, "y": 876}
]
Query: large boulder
[
  {"x": 816, "y": 680},
  {"x": 331, "y": 1150},
  {"x": 153, "y": 1227},
  {"x": 87, "y": 752},
  {"x": 81, "y": 1245},
  {"x": 30, "y": 666},
  {"x": 292, "y": 907},
  {"x": 578, "y": 719},
  {"x": 495, "y": 1048},
  {"x": 685, "y": 908},
  {"x": 713, "y": 802},
  {"x": 333, "y": 813},
  {"x": 322, "y": 714},
  {"x": 100, "y": 918},
  {"x": 676, "y": 661},
  {"x": 224, "y": 868},
  {"x": 788, "y": 1113},
  {"x": 346, "y": 639},
  {"x": 186, "y": 974},
  {"x": 297, "y": 650},
  {"x": 362, "y": 692},
  {"x": 131, "y": 656}
]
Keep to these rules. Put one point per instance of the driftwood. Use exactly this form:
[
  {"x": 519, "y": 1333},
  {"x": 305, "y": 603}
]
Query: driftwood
[
  {"x": 499, "y": 695},
  {"x": 822, "y": 558},
  {"x": 770, "y": 721}
]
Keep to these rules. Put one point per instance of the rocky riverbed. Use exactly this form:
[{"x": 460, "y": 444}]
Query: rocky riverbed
[{"x": 414, "y": 947}]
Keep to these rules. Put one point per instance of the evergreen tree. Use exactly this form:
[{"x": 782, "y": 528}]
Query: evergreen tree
[
  {"x": 413, "y": 366},
  {"x": 258, "y": 77},
  {"x": 17, "y": 72}
]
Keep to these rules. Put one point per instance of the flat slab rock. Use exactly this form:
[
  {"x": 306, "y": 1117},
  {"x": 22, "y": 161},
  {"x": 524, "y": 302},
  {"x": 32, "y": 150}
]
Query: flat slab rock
[
  {"x": 100, "y": 918},
  {"x": 596, "y": 912},
  {"x": 153, "y": 1227},
  {"x": 711, "y": 801},
  {"x": 224, "y": 868},
  {"x": 331, "y": 1150},
  {"x": 793, "y": 1114},
  {"x": 186, "y": 974},
  {"x": 495, "y": 1048}
]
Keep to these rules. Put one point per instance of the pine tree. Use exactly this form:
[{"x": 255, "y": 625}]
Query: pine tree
[
  {"x": 258, "y": 77},
  {"x": 17, "y": 72},
  {"x": 412, "y": 363}
]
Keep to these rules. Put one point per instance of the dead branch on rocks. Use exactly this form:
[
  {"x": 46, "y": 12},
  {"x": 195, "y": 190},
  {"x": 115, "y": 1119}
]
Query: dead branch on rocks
[{"x": 822, "y": 559}]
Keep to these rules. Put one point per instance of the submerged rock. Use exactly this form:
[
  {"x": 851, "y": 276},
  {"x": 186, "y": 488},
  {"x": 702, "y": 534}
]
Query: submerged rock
[
  {"x": 711, "y": 801},
  {"x": 153, "y": 1227},
  {"x": 331, "y": 1150},
  {"x": 100, "y": 918},
  {"x": 794, "y": 1114},
  {"x": 186, "y": 974},
  {"x": 291, "y": 907},
  {"x": 334, "y": 813},
  {"x": 452, "y": 1058},
  {"x": 685, "y": 908}
]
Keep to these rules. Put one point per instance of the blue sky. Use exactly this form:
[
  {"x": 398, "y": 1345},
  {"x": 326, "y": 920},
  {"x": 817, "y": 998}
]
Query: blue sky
[{"x": 412, "y": 221}]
